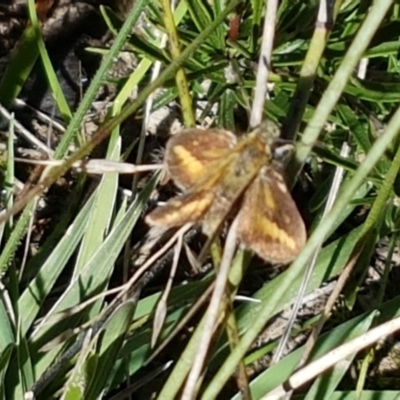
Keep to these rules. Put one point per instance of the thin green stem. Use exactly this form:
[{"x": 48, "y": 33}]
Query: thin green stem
[
  {"x": 97, "y": 81},
  {"x": 51, "y": 75},
  {"x": 338, "y": 83},
  {"x": 326, "y": 18},
  {"x": 180, "y": 77}
]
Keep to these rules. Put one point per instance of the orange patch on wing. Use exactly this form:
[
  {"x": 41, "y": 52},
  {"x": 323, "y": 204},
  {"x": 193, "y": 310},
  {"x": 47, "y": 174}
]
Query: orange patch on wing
[
  {"x": 181, "y": 210},
  {"x": 272, "y": 229},
  {"x": 269, "y": 199},
  {"x": 197, "y": 206},
  {"x": 188, "y": 160}
]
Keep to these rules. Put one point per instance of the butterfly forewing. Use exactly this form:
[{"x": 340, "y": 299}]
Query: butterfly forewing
[
  {"x": 196, "y": 160},
  {"x": 193, "y": 154},
  {"x": 268, "y": 221}
]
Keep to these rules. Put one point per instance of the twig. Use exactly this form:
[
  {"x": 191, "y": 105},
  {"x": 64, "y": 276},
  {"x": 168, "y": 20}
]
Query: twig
[
  {"x": 264, "y": 64},
  {"x": 25, "y": 133},
  {"x": 213, "y": 311},
  {"x": 323, "y": 27},
  {"x": 315, "y": 368},
  {"x": 161, "y": 310},
  {"x": 96, "y": 166}
]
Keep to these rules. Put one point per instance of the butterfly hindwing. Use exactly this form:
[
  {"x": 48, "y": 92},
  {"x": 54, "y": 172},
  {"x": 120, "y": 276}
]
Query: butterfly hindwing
[
  {"x": 269, "y": 223},
  {"x": 188, "y": 207}
]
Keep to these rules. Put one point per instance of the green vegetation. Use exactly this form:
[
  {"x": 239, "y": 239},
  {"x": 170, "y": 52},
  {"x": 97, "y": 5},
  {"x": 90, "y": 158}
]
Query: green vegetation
[{"x": 65, "y": 334}]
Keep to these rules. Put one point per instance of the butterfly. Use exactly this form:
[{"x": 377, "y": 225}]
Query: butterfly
[{"x": 221, "y": 175}]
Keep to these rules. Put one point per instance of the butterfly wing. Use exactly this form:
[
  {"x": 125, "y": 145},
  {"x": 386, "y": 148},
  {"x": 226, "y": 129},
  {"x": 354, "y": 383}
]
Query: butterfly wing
[
  {"x": 269, "y": 223},
  {"x": 193, "y": 154},
  {"x": 179, "y": 210},
  {"x": 197, "y": 161}
]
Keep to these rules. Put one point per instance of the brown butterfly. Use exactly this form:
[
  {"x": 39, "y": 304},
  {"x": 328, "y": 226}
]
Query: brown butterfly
[{"x": 221, "y": 175}]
